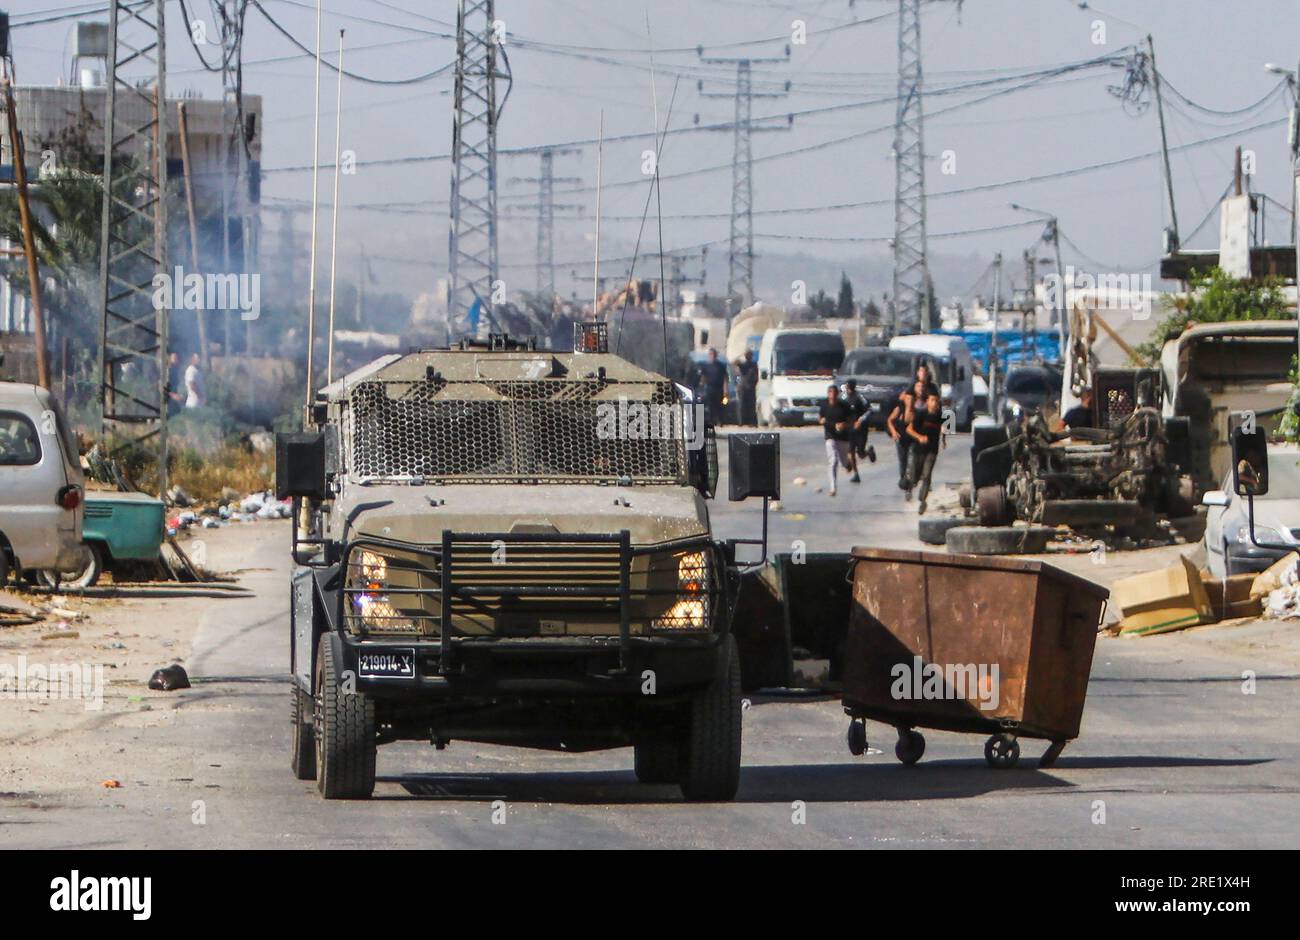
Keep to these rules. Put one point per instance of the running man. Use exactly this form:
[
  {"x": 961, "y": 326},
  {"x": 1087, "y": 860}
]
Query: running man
[
  {"x": 928, "y": 437},
  {"x": 837, "y": 421}
]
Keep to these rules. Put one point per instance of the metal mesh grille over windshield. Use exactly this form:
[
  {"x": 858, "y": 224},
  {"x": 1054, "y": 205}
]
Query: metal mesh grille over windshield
[{"x": 549, "y": 430}]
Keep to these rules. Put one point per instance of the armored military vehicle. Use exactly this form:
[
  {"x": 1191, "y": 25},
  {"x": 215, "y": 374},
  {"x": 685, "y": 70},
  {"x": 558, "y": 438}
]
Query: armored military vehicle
[{"x": 502, "y": 544}]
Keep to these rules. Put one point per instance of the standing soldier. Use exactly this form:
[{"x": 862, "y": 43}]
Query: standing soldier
[
  {"x": 928, "y": 435},
  {"x": 713, "y": 387},
  {"x": 747, "y": 388},
  {"x": 837, "y": 420}
]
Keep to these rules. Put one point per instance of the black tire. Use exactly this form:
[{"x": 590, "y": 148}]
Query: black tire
[
  {"x": 933, "y": 530},
  {"x": 344, "y": 732},
  {"x": 656, "y": 762},
  {"x": 4, "y": 566},
  {"x": 303, "y": 759},
  {"x": 992, "y": 507},
  {"x": 856, "y": 738},
  {"x": 88, "y": 576},
  {"x": 910, "y": 746},
  {"x": 1002, "y": 751},
  {"x": 1008, "y": 540},
  {"x": 710, "y": 755}
]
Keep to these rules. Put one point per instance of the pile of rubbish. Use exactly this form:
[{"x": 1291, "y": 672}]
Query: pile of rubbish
[
  {"x": 229, "y": 508},
  {"x": 16, "y": 612},
  {"x": 1184, "y": 596},
  {"x": 1282, "y": 582}
]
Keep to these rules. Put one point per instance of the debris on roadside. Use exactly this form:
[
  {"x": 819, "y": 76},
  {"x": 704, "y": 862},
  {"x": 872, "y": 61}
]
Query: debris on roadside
[
  {"x": 1182, "y": 596},
  {"x": 16, "y": 612},
  {"x": 61, "y": 631},
  {"x": 1160, "y": 601},
  {"x": 169, "y": 679}
]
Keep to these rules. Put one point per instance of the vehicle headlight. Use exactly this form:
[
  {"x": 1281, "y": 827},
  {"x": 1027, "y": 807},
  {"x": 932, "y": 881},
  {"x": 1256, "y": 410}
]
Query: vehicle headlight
[
  {"x": 690, "y": 611},
  {"x": 369, "y": 604},
  {"x": 783, "y": 403}
]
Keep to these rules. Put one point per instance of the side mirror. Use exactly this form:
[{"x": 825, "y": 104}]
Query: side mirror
[
  {"x": 754, "y": 466},
  {"x": 300, "y": 465},
  {"x": 1216, "y": 498},
  {"x": 1249, "y": 463},
  {"x": 763, "y": 374}
]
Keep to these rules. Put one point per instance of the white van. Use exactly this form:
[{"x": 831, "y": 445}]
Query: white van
[
  {"x": 41, "y": 485},
  {"x": 956, "y": 371},
  {"x": 795, "y": 367}
]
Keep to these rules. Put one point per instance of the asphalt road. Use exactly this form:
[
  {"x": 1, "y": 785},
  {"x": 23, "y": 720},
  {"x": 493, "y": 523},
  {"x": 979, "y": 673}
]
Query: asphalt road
[{"x": 1172, "y": 752}]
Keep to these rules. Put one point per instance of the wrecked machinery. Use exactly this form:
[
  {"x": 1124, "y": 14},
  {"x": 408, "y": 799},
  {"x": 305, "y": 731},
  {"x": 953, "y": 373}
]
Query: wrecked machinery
[
  {"x": 502, "y": 544},
  {"x": 1122, "y": 474}
]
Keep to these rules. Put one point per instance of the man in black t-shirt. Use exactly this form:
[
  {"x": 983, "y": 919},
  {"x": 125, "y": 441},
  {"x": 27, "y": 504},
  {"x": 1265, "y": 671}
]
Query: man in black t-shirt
[
  {"x": 1080, "y": 416},
  {"x": 927, "y": 433},
  {"x": 900, "y": 416},
  {"x": 836, "y": 420},
  {"x": 850, "y": 395}
]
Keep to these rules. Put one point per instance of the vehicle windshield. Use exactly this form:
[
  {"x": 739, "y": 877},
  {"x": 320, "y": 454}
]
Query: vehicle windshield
[
  {"x": 19, "y": 445},
  {"x": 1283, "y": 475},
  {"x": 808, "y": 357},
  {"x": 882, "y": 362},
  {"x": 1028, "y": 382},
  {"x": 559, "y": 431}
]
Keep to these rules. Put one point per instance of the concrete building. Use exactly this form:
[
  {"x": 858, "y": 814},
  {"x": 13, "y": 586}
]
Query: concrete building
[{"x": 46, "y": 114}]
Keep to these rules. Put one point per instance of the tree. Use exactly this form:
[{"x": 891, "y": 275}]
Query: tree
[
  {"x": 1216, "y": 297},
  {"x": 871, "y": 313},
  {"x": 845, "y": 307}
]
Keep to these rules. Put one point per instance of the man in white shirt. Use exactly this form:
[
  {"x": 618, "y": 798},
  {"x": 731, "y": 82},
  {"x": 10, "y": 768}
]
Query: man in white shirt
[{"x": 194, "y": 396}]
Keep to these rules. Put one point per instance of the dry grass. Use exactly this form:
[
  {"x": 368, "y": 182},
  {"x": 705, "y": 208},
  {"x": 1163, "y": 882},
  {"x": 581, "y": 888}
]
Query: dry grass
[{"x": 235, "y": 467}]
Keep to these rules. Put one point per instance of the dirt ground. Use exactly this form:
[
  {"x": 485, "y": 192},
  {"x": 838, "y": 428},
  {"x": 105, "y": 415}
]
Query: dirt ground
[{"x": 123, "y": 633}]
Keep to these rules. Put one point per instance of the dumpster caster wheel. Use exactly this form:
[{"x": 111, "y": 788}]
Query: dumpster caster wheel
[
  {"x": 1051, "y": 754},
  {"x": 910, "y": 746},
  {"x": 1002, "y": 751},
  {"x": 856, "y": 737}
]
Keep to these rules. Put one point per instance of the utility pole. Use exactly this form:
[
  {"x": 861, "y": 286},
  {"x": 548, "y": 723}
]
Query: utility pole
[
  {"x": 25, "y": 213},
  {"x": 911, "y": 270},
  {"x": 1172, "y": 234},
  {"x": 740, "y": 258},
  {"x": 678, "y": 277},
  {"x": 472, "y": 244},
  {"x": 993, "y": 337},
  {"x": 183, "y": 127},
  {"x": 545, "y": 207},
  {"x": 133, "y": 234}
]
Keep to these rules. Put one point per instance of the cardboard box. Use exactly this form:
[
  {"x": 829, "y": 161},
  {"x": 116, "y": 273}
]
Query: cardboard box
[
  {"x": 1270, "y": 579},
  {"x": 1234, "y": 597},
  {"x": 1160, "y": 601}
]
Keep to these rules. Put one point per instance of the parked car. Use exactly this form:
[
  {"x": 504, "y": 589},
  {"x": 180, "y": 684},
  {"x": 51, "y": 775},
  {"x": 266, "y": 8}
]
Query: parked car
[
  {"x": 1228, "y": 545},
  {"x": 1027, "y": 389},
  {"x": 120, "y": 528},
  {"x": 41, "y": 485},
  {"x": 954, "y": 371},
  {"x": 981, "y": 390},
  {"x": 881, "y": 373},
  {"x": 794, "y": 369}
]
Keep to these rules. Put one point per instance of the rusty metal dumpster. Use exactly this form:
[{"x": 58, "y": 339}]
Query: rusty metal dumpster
[{"x": 968, "y": 643}]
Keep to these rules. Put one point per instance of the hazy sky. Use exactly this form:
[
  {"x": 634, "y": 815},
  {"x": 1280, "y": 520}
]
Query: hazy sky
[{"x": 573, "y": 58}]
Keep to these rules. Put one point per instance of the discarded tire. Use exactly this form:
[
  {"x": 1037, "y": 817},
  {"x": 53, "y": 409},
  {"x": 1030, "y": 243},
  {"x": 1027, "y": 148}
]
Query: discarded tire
[
  {"x": 933, "y": 530},
  {"x": 1006, "y": 540}
]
